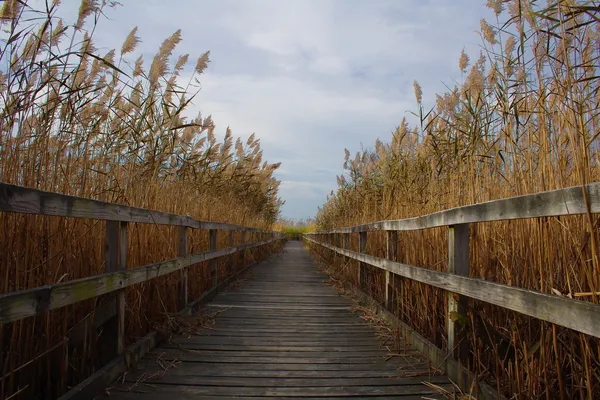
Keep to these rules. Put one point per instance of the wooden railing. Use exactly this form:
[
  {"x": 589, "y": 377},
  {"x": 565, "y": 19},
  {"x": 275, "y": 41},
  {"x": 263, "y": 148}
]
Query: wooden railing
[
  {"x": 25, "y": 303},
  {"x": 580, "y": 316}
]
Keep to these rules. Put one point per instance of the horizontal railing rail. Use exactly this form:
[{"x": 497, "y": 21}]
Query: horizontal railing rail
[
  {"x": 553, "y": 203},
  {"x": 26, "y": 303},
  {"x": 18, "y": 305},
  {"x": 24, "y": 200},
  {"x": 574, "y": 314}
]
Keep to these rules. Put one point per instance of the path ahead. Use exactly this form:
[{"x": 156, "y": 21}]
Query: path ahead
[{"x": 286, "y": 333}]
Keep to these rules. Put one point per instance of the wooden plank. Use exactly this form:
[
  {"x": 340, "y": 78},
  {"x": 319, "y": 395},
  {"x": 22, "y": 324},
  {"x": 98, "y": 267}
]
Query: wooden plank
[
  {"x": 131, "y": 357},
  {"x": 573, "y": 314},
  {"x": 253, "y": 356},
  {"x": 307, "y": 349},
  {"x": 182, "y": 251},
  {"x": 458, "y": 263},
  {"x": 391, "y": 283},
  {"x": 187, "y": 356},
  {"x": 362, "y": 247},
  {"x": 112, "y": 342},
  {"x": 225, "y": 381},
  {"x": 243, "y": 252},
  {"x": 184, "y": 392},
  {"x": 20, "y": 199},
  {"x": 197, "y": 343},
  {"x": 289, "y": 334},
  {"x": 120, "y": 294},
  {"x": 438, "y": 358},
  {"x": 212, "y": 236},
  {"x": 203, "y": 370},
  {"x": 568, "y": 201},
  {"x": 270, "y": 306},
  {"x": 231, "y": 259},
  {"x": 18, "y": 305}
]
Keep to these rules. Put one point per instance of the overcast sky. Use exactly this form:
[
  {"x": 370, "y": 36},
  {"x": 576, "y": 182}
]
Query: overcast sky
[{"x": 309, "y": 77}]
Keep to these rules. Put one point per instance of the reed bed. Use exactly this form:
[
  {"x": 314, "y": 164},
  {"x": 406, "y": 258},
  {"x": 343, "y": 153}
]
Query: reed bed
[
  {"x": 523, "y": 119},
  {"x": 108, "y": 126}
]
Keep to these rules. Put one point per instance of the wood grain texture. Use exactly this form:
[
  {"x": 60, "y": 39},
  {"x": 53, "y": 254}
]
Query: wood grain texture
[
  {"x": 458, "y": 264},
  {"x": 18, "y": 305},
  {"x": 573, "y": 314},
  {"x": 20, "y": 199},
  {"x": 96, "y": 383},
  {"x": 569, "y": 201},
  {"x": 287, "y": 348}
]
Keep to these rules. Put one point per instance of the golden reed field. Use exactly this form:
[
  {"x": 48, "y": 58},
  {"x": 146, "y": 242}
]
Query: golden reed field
[
  {"x": 523, "y": 119},
  {"x": 107, "y": 127},
  {"x": 110, "y": 126}
]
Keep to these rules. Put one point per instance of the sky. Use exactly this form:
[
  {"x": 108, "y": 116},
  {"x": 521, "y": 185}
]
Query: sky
[{"x": 309, "y": 77}]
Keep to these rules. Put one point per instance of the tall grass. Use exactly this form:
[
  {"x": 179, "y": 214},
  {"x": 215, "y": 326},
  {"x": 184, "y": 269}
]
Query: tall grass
[
  {"x": 108, "y": 126},
  {"x": 294, "y": 229},
  {"x": 523, "y": 119}
]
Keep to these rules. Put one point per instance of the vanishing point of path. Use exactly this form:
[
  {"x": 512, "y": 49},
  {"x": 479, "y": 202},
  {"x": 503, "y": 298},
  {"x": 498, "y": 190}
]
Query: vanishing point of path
[{"x": 284, "y": 333}]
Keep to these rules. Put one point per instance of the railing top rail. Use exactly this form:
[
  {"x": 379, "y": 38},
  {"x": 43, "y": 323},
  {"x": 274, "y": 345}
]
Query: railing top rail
[
  {"x": 19, "y": 199},
  {"x": 553, "y": 203}
]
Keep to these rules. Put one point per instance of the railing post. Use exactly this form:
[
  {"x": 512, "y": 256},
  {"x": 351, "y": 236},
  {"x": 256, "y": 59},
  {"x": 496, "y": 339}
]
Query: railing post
[
  {"x": 458, "y": 263},
  {"x": 212, "y": 238},
  {"x": 116, "y": 259},
  {"x": 182, "y": 251},
  {"x": 392, "y": 282},
  {"x": 362, "y": 248},
  {"x": 230, "y": 262},
  {"x": 243, "y": 252}
]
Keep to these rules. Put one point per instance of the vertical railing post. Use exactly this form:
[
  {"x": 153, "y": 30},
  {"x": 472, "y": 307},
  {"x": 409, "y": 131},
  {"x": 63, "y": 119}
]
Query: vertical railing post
[
  {"x": 230, "y": 261},
  {"x": 116, "y": 260},
  {"x": 391, "y": 280},
  {"x": 182, "y": 251},
  {"x": 243, "y": 252},
  {"x": 458, "y": 263},
  {"x": 212, "y": 238},
  {"x": 362, "y": 248}
]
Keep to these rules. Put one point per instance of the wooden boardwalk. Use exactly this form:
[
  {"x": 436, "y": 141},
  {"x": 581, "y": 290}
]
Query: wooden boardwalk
[{"x": 284, "y": 333}]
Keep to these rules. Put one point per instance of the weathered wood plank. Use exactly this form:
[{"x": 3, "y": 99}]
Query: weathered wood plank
[
  {"x": 202, "y": 370},
  {"x": 438, "y": 358},
  {"x": 568, "y": 201},
  {"x": 18, "y": 305},
  {"x": 20, "y": 199},
  {"x": 573, "y": 314},
  {"x": 187, "y": 356},
  {"x": 225, "y": 381},
  {"x": 458, "y": 264},
  {"x": 310, "y": 347},
  {"x": 362, "y": 247},
  {"x": 391, "y": 282},
  {"x": 132, "y": 356},
  {"x": 212, "y": 239},
  {"x": 184, "y": 392},
  {"x": 182, "y": 251},
  {"x": 253, "y": 356},
  {"x": 291, "y": 347}
]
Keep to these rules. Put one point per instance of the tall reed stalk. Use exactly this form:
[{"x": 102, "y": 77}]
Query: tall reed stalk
[
  {"x": 108, "y": 127},
  {"x": 524, "y": 119}
]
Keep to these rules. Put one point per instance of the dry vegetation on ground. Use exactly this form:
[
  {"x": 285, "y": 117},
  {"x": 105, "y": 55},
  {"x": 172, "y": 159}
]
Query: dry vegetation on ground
[
  {"x": 523, "y": 119},
  {"x": 108, "y": 126}
]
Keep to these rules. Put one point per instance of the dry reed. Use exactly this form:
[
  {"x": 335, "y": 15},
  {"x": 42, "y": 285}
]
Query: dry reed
[
  {"x": 524, "y": 119},
  {"x": 106, "y": 127}
]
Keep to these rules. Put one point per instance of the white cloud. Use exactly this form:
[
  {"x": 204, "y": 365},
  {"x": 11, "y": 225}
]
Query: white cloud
[{"x": 309, "y": 77}]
